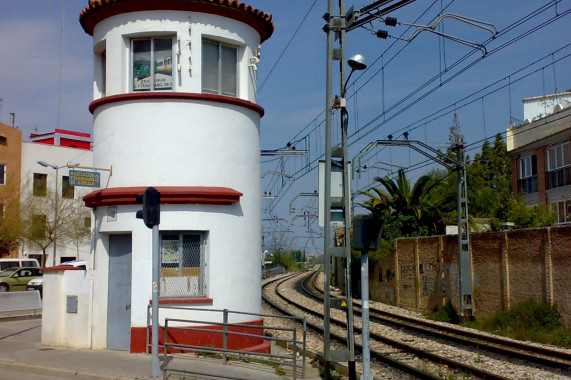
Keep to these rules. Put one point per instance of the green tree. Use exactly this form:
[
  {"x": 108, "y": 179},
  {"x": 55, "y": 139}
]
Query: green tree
[
  {"x": 407, "y": 210},
  {"x": 40, "y": 226},
  {"x": 11, "y": 224}
]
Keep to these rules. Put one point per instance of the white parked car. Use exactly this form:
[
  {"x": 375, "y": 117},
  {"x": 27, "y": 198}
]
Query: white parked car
[{"x": 38, "y": 283}]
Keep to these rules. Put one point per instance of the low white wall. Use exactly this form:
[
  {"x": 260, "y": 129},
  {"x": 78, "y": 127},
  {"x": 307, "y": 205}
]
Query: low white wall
[{"x": 60, "y": 328}]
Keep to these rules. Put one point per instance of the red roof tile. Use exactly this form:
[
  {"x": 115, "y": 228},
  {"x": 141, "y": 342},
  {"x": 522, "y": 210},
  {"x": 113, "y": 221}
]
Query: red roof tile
[{"x": 99, "y": 10}]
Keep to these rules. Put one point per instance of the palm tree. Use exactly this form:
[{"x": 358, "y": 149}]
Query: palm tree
[{"x": 397, "y": 198}]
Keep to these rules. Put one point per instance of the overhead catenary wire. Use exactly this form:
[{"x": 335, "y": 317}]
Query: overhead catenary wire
[
  {"x": 287, "y": 45},
  {"x": 458, "y": 104},
  {"x": 503, "y": 31}
]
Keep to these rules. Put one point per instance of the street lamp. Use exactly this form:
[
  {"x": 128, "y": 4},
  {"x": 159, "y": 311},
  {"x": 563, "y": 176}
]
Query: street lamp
[
  {"x": 56, "y": 168},
  {"x": 356, "y": 63}
]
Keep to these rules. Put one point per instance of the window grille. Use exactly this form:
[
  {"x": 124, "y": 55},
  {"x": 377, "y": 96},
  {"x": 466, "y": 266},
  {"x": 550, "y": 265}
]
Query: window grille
[{"x": 183, "y": 265}]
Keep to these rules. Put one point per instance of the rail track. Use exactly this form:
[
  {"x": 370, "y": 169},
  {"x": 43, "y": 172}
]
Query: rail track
[
  {"x": 557, "y": 360},
  {"x": 515, "y": 349}
]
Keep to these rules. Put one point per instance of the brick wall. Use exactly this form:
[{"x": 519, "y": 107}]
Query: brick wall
[{"x": 508, "y": 267}]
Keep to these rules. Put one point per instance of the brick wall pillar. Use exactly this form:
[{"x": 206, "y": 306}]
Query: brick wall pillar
[
  {"x": 549, "y": 297},
  {"x": 541, "y": 176},
  {"x": 505, "y": 291},
  {"x": 441, "y": 268},
  {"x": 417, "y": 273},
  {"x": 515, "y": 175},
  {"x": 397, "y": 275}
]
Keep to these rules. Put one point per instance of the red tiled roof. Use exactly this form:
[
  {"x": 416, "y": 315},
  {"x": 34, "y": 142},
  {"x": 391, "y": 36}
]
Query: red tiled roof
[{"x": 99, "y": 10}]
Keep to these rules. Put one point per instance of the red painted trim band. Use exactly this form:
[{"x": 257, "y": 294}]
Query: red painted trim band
[
  {"x": 175, "y": 96},
  {"x": 169, "y": 195},
  {"x": 99, "y": 10},
  {"x": 60, "y": 268},
  {"x": 185, "y": 301},
  {"x": 206, "y": 338}
]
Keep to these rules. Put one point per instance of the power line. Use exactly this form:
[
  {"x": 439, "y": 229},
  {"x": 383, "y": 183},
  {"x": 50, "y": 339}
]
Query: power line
[
  {"x": 309, "y": 167},
  {"x": 285, "y": 48}
]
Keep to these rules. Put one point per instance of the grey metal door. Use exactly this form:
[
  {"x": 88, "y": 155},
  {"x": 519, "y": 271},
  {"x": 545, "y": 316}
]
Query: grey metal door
[{"x": 119, "y": 293}]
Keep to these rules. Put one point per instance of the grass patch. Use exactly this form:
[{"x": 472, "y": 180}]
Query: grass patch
[
  {"x": 528, "y": 320},
  {"x": 446, "y": 313}
]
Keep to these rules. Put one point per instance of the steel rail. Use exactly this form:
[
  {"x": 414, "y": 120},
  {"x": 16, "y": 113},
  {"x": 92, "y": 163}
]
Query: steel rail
[
  {"x": 537, "y": 354},
  {"x": 343, "y": 339}
]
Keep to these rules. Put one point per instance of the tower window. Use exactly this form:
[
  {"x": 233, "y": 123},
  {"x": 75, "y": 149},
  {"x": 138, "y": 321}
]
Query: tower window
[
  {"x": 152, "y": 64},
  {"x": 219, "y": 68}
]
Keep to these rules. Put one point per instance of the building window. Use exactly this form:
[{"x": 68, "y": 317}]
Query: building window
[
  {"x": 158, "y": 76},
  {"x": 559, "y": 166},
  {"x": 183, "y": 264},
  {"x": 562, "y": 211},
  {"x": 2, "y": 174},
  {"x": 528, "y": 174},
  {"x": 103, "y": 72},
  {"x": 40, "y": 188},
  {"x": 39, "y": 226},
  {"x": 87, "y": 222},
  {"x": 2, "y": 208},
  {"x": 66, "y": 190},
  {"x": 219, "y": 66},
  {"x": 3, "y": 140}
]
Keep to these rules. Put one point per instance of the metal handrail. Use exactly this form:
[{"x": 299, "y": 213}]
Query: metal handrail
[{"x": 224, "y": 351}]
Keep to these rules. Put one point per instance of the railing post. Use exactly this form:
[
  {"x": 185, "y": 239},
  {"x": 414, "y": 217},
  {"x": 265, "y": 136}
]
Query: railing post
[
  {"x": 294, "y": 353},
  {"x": 224, "y": 334},
  {"x": 165, "y": 346},
  {"x": 303, "y": 350},
  {"x": 148, "y": 324}
]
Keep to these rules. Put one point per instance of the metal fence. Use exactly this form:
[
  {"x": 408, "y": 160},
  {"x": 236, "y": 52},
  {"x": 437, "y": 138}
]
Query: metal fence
[
  {"x": 224, "y": 328},
  {"x": 271, "y": 270}
]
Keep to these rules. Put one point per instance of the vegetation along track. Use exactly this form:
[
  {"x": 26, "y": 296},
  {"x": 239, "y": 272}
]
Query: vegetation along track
[
  {"x": 558, "y": 360},
  {"x": 514, "y": 349},
  {"x": 413, "y": 370}
]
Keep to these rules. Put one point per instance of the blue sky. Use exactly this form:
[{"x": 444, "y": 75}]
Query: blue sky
[{"x": 293, "y": 95}]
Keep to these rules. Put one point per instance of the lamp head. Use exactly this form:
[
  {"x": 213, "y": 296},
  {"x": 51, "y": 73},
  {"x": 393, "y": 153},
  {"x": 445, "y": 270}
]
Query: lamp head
[
  {"x": 43, "y": 163},
  {"x": 357, "y": 62}
]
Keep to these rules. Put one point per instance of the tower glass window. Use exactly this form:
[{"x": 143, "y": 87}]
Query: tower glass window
[
  {"x": 219, "y": 68},
  {"x": 152, "y": 60}
]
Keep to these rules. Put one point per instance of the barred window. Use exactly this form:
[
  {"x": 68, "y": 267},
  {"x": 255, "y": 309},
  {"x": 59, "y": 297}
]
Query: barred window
[{"x": 183, "y": 264}]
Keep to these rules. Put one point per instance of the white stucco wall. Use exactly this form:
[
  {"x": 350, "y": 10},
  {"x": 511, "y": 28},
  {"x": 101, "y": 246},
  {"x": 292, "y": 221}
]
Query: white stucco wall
[
  {"x": 189, "y": 28},
  {"x": 60, "y": 156},
  {"x": 151, "y": 142},
  {"x": 541, "y": 106},
  {"x": 60, "y": 328},
  {"x": 548, "y": 130}
]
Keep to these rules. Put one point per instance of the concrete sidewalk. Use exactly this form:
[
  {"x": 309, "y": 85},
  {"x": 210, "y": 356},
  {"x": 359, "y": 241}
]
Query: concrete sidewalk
[{"x": 22, "y": 356}]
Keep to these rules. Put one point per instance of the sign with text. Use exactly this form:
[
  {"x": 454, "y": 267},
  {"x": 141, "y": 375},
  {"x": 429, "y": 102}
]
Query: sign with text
[{"x": 85, "y": 179}]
